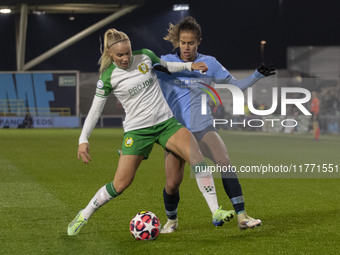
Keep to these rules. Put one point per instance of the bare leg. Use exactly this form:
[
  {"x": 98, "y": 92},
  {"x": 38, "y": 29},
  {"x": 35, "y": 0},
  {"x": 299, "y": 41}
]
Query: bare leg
[
  {"x": 184, "y": 144},
  {"x": 174, "y": 171},
  {"x": 126, "y": 170}
]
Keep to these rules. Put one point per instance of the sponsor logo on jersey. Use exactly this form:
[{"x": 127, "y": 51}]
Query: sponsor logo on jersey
[
  {"x": 100, "y": 84},
  {"x": 128, "y": 142},
  {"x": 143, "y": 68},
  {"x": 140, "y": 87},
  {"x": 188, "y": 83}
]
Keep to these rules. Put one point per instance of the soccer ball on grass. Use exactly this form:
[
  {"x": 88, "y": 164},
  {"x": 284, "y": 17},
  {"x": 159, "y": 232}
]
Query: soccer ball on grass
[{"x": 145, "y": 226}]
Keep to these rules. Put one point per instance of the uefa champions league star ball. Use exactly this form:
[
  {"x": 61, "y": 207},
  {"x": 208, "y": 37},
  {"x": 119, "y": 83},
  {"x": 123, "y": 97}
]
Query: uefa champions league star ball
[{"x": 145, "y": 226}]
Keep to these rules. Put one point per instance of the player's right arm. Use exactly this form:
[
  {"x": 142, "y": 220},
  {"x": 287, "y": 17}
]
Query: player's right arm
[
  {"x": 103, "y": 90},
  {"x": 89, "y": 124}
]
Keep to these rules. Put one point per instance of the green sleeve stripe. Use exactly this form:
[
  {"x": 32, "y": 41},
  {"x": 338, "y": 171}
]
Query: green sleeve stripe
[
  {"x": 98, "y": 95},
  {"x": 149, "y": 53},
  {"x": 106, "y": 75},
  {"x": 106, "y": 79}
]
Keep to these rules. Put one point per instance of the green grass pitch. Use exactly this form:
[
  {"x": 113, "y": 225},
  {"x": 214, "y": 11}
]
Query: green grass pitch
[{"x": 43, "y": 186}]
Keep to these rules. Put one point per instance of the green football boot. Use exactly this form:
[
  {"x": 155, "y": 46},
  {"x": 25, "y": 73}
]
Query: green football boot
[
  {"x": 220, "y": 216},
  {"x": 76, "y": 225}
]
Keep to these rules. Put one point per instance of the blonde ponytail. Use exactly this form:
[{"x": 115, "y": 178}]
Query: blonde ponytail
[{"x": 111, "y": 37}]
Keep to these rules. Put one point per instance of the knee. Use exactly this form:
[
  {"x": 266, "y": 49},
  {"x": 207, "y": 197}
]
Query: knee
[
  {"x": 196, "y": 158},
  {"x": 172, "y": 187},
  {"x": 223, "y": 161}
]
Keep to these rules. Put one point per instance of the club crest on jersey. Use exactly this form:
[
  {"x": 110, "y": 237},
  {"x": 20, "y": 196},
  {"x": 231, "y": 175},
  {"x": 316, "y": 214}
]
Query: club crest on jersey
[
  {"x": 128, "y": 142},
  {"x": 143, "y": 68}
]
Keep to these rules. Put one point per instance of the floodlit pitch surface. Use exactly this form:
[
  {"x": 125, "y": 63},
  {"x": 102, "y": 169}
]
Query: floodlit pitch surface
[{"x": 43, "y": 185}]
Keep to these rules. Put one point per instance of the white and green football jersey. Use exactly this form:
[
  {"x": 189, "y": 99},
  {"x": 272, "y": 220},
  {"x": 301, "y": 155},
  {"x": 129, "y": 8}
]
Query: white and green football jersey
[{"x": 137, "y": 88}]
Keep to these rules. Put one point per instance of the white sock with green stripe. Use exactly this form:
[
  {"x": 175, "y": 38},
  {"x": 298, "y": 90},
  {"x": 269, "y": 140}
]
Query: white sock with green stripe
[
  {"x": 206, "y": 184},
  {"x": 104, "y": 195}
]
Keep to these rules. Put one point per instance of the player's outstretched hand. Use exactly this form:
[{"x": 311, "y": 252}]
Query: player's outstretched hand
[
  {"x": 266, "y": 70},
  {"x": 161, "y": 69},
  {"x": 199, "y": 66},
  {"x": 83, "y": 153}
]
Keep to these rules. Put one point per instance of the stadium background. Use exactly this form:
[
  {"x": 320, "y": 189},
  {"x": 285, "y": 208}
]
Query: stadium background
[
  {"x": 42, "y": 185},
  {"x": 302, "y": 42}
]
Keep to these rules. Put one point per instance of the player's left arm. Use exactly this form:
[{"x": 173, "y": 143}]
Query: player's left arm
[{"x": 222, "y": 75}]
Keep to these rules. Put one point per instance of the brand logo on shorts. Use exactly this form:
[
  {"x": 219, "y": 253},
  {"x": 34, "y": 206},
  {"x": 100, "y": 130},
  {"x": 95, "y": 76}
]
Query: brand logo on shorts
[
  {"x": 128, "y": 142},
  {"x": 143, "y": 68}
]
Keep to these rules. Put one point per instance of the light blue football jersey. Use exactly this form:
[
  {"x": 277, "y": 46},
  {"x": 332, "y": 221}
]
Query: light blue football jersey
[{"x": 183, "y": 90}]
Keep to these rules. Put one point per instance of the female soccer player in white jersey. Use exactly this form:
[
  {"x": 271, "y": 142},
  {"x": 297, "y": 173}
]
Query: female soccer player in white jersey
[
  {"x": 148, "y": 117},
  {"x": 181, "y": 90}
]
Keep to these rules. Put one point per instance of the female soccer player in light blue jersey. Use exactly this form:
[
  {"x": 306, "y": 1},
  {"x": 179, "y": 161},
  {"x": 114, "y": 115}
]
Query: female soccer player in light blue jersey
[{"x": 183, "y": 94}]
